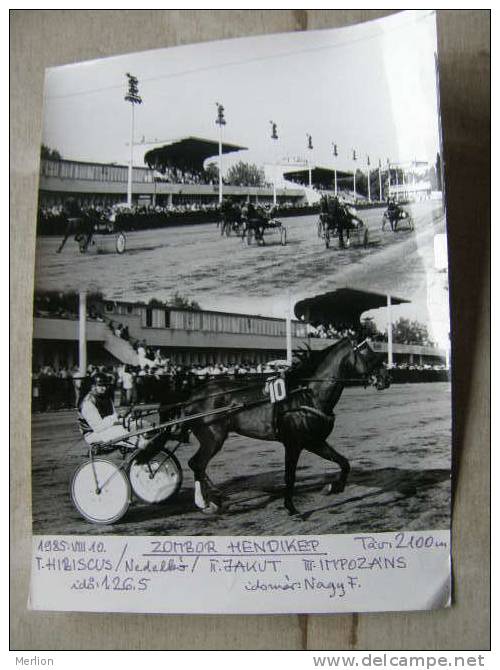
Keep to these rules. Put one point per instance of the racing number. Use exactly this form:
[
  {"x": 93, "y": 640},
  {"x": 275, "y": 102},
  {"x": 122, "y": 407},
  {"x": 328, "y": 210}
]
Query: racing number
[{"x": 277, "y": 390}]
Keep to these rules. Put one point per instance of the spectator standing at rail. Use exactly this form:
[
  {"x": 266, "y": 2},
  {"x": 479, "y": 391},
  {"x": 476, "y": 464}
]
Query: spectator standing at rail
[{"x": 127, "y": 385}]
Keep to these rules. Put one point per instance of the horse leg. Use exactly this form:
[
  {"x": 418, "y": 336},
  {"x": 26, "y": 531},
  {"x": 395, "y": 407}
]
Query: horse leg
[
  {"x": 341, "y": 237},
  {"x": 292, "y": 453},
  {"x": 327, "y": 452},
  {"x": 61, "y": 246},
  {"x": 206, "y": 496}
]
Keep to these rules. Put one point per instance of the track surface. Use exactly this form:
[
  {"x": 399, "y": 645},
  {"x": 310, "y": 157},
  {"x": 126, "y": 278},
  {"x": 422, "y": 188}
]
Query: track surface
[
  {"x": 398, "y": 443},
  {"x": 197, "y": 262}
]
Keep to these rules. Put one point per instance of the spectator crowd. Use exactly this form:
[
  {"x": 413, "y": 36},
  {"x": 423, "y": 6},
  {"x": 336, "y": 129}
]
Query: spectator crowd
[
  {"x": 52, "y": 219},
  {"x": 157, "y": 381}
]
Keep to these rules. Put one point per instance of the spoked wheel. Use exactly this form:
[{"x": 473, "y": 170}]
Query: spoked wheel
[
  {"x": 320, "y": 229},
  {"x": 158, "y": 479},
  {"x": 327, "y": 238},
  {"x": 283, "y": 237},
  {"x": 120, "y": 243},
  {"x": 100, "y": 491},
  {"x": 249, "y": 237},
  {"x": 366, "y": 238},
  {"x": 410, "y": 222}
]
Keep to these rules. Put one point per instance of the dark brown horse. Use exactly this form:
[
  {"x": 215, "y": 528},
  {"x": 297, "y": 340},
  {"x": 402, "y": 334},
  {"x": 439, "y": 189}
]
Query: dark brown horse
[{"x": 303, "y": 420}]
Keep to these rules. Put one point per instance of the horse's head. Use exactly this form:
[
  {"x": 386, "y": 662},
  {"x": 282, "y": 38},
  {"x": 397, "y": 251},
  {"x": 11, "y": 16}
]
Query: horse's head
[
  {"x": 371, "y": 365},
  {"x": 342, "y": 362}
]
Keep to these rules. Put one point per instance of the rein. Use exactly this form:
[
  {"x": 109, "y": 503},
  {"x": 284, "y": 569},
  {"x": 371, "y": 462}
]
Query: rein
[
  {"x": 334, "y": 379},
  {"x": 248, "y": 387}
]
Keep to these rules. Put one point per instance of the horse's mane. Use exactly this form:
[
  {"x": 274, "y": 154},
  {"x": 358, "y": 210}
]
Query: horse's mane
[{"x": 307, "y": 362}]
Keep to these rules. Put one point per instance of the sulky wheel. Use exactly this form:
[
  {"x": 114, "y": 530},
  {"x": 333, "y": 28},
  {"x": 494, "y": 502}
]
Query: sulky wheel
[
  {"x": 283, "y": 236},
  {"x": 158, "y": 479},
  {"x": 366, "y": 238},
  {"x": 327, "y": 238},
  {"x": 100, "y": 491},
  {"x": 120, "y": 243}
]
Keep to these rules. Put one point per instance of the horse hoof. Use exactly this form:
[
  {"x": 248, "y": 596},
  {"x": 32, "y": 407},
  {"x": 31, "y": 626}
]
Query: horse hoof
[
  {"x": 334, "y": 487},
  {"x": 210, "y": 509},
  {"x": 292, "y": 510}
]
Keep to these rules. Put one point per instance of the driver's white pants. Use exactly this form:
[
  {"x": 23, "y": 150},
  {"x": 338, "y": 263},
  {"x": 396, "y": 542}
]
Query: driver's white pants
[
  {"x": 111, "y": 433},
  {"x": 114, "y": 432}
]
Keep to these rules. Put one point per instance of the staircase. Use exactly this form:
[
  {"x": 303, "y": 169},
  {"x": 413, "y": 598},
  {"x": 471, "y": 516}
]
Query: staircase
[{"x": 120, "y": 349}]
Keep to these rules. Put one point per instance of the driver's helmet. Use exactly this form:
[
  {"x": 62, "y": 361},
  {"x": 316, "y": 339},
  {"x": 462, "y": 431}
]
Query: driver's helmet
[{"x": 100, "y": 379}]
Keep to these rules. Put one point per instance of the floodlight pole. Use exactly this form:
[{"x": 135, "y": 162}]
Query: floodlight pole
[
  {"x": 354, "y": 173},
  {"x": 220, "y": 121},
  {"x": 310, "y": 147},
  {"x": 335, "y": 154},
  {"x": 131, "y": 158},
  {"x": 389, "y": 333},
  {"x": 369, "y": 186},
  {"x": 82, "y": 333},
  {"x": 274, "y": 137},
  {"x": 289, "y": 330},
  {"x": 132, "y": 96},
  {"x": 220, "y": 165}
]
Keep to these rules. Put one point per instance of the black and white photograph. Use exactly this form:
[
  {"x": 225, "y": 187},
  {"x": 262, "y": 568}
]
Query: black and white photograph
[{"x": 241, "y": 310}]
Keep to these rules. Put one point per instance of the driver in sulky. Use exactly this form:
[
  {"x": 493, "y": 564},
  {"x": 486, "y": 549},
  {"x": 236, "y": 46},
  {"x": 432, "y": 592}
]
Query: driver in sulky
[
  {"x": 100, "y": 422},
  {"x": 97, "y": 417}
]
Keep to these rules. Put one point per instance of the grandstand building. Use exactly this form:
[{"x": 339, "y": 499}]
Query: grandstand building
[
  {"x": 173, "y": 176},
  {"x": 186, "y": 337}
]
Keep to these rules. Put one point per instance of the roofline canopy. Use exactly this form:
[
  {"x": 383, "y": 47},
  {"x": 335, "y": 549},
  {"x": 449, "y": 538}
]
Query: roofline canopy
[
  {"x": 186, "y": 154},
  {"x": 341, "y": 307},
  {"x": 319, "y": 175}
]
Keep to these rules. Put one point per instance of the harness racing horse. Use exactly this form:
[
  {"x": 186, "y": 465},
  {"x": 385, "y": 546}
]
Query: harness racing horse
[
  {"x": 82, "y": 229},
  {"x": 230, "y": 219},
  {"x": 302, "y": 421},
  {"x": 394, "y": 214}
]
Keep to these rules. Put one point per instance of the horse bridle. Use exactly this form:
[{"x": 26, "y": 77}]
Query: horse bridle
[{"x": 357, "y": 348}]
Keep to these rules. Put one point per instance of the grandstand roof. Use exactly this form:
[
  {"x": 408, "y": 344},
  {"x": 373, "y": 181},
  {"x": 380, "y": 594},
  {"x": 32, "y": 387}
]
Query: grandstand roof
[
  {"x": 343, "y": 306},
  {"x": 187, "y": 153},
  {"x": 319, "y": 175}
]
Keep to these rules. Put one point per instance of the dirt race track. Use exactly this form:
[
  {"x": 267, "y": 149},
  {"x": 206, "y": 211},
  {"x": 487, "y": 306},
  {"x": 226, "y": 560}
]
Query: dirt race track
[
  {"x": 398, "y": 442},
  {"x": 196, "y": 261}
]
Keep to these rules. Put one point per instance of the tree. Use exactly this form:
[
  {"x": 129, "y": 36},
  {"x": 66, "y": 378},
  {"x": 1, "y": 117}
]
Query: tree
[
  {"x": 432, "y": 177},
  {"x": 177, "y": 300},
  {"x": 212, "y": 172},
  {"x": 405, "y": 331},
  {"x": 369, "y": 329},
  {"x": 51, "y": 154},
  {"x": 245, "y": 174}
]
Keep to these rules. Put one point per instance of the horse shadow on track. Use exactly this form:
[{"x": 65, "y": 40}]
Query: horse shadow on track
[{"x": 250, "y": 494}]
